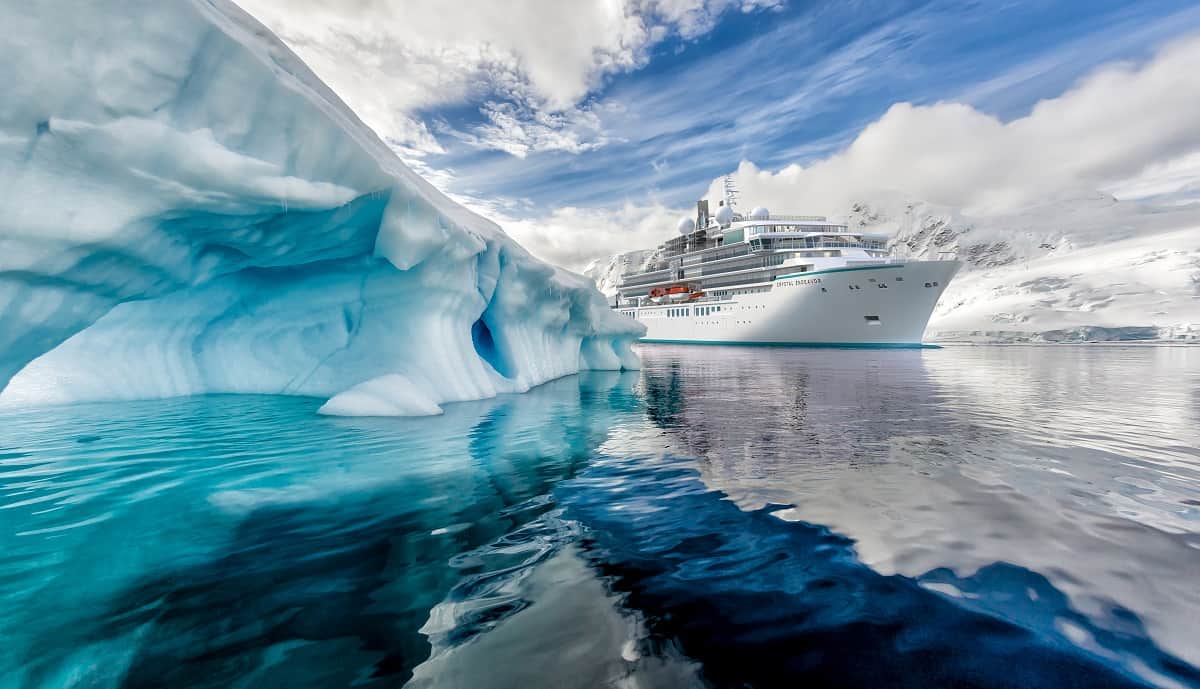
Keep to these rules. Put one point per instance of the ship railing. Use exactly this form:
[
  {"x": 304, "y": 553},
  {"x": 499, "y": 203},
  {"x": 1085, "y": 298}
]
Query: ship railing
[{"x": 799, "y": 218}]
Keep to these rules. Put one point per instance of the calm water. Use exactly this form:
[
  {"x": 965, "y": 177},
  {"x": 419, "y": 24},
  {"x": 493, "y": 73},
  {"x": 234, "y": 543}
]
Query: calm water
[{"x": 732, "y": 517}]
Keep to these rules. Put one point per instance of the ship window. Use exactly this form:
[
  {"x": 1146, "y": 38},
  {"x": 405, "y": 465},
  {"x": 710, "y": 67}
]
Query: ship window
[
  {"x": 824, "y": 290},
  {"x": 873, "y": 320},
  {"x": 935, "y": 284},
  {"x": 929, "y": 284},
  {"x": 899, "y": 279},
  {"x": 872, "y": 280}
]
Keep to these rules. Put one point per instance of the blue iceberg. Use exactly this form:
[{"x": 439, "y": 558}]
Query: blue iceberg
[{"x": 187, "y": 209}]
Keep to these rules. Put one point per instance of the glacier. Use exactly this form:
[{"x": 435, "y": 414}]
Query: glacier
[{"x": 186, "y": 208}]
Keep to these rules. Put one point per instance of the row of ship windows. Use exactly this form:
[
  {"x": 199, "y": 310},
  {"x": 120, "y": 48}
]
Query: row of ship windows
[
  {"x": 683, "y": 311},
  {"x": 686, "y": 311}
]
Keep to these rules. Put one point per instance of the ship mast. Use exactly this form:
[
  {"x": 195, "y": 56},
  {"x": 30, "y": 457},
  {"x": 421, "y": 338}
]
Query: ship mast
[{"x": 731, "y": 191}]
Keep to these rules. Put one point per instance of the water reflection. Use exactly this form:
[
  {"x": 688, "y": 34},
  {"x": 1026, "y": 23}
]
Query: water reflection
[
  {"x": 1072, "y": 462},
  {"x": 763, "y": 602},
  {"x": 727, "y": 517},
  {"x": 318, "y": 570}
]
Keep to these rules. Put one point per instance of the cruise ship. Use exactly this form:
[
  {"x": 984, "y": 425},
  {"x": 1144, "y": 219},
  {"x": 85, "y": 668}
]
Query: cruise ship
[{"x": 763, "y": 278}]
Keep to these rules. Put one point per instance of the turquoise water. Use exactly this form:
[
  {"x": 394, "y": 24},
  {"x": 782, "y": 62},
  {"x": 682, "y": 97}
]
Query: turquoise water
[{"x": 974, "y": 517}]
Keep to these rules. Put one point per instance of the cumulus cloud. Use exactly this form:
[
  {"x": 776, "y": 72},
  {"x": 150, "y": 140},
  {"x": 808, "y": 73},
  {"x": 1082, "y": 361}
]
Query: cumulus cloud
[
  {"x": 572, "y": 237},
  {"x": 1116, "y": 125},
  {"x": 531, "y": 62},
  {"x": 1124, "y": 128}
]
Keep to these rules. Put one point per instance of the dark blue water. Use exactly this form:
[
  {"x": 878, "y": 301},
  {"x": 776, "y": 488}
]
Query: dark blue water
[{"x": 729, "y": 517}]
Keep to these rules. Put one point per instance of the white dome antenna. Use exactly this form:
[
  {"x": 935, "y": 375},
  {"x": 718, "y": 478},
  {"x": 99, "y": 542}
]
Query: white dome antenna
[
  {"x": 760, "y": 213},
  {"x": 686, "y": 226},
  {"x": 724, "y": 215}
]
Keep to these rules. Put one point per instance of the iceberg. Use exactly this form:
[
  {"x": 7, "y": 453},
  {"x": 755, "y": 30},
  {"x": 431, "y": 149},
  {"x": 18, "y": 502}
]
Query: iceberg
[{"x": 186, "y": 208}]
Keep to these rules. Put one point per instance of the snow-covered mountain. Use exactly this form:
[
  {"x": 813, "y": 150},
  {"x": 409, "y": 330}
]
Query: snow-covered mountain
[
  {"x": 185, "y": 208},
  {"x": 1076, "y": 269},
  {"x": 1081, "y": 268},
  {"x": 606, "y": 273}
]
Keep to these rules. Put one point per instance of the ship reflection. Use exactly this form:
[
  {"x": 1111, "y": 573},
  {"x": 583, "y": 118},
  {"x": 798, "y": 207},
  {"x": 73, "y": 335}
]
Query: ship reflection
[{"x": 953, "y": 461}]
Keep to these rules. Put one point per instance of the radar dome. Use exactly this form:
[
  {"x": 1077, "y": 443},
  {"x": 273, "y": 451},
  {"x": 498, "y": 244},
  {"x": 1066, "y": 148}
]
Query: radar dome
[
  {"x": 686, "y": 226},
  {"x": 724, "y": 215},
  {"x": 760, "y": 213}
]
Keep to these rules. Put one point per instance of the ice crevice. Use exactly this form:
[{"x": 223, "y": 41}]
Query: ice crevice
[{"x": 186, "y": 209}]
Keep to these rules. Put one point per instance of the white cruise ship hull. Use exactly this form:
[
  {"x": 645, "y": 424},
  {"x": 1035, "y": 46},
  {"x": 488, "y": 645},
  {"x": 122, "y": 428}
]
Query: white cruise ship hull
[{"x": 878, "y": 305}]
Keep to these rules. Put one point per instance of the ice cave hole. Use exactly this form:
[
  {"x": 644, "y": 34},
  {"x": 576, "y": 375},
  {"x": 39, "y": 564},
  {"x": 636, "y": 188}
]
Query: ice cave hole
[{"x": 485, "y": 346}]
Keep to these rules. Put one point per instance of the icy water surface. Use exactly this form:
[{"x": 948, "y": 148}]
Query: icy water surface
[{"x": 730, "y": 517}]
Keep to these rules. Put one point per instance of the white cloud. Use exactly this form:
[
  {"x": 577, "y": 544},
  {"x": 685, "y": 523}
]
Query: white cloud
[
  {"x": 517, "y": 129},
  {"x": 1119, "y": 123},
  {"x": 693, "y": 18},
  {"x": 1125, "y": 128},
  {"x": 542, "y": 58},
  {"x": 571, "y": 237}
]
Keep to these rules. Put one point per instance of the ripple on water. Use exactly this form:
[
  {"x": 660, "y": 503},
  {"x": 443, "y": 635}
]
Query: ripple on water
[{"x": 737, "y": 516}]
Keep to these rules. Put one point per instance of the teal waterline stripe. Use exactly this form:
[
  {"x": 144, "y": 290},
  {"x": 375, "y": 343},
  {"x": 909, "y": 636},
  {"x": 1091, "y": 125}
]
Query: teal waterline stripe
[
  {"x": 837, "y": 270},
  {"x": 826, "y": 345}
]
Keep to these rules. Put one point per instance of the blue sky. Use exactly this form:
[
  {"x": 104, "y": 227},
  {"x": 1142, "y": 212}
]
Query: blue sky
[
  {"x": 778, "y": 87},
  {"x": 557, "y": 118}
]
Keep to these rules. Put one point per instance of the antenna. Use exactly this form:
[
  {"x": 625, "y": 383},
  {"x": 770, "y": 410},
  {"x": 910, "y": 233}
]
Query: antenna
[{"x": 731, "y": 191}]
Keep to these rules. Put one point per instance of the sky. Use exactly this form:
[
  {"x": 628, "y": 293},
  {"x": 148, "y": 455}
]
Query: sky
[{"x": 589, "y": 127}]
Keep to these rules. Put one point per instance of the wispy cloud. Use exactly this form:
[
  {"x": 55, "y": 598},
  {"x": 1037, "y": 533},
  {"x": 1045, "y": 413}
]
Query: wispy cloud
[
  {"x": 529, "y": 66},
  {"x": 571, "y": 121}
]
